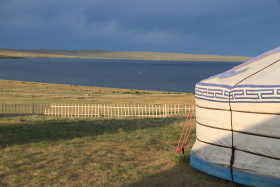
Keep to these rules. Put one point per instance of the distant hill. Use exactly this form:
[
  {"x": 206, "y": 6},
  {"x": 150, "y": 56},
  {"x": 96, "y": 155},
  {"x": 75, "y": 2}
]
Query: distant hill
[
  {"x": 58, "y": 52},
  {"x": 103, "y": 54},
  {"x": 9, "y": 57}
]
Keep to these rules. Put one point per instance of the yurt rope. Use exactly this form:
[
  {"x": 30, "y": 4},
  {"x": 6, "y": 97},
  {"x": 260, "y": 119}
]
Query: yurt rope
[
  {"x": 257, "y": 72},
  {"x": 238, "y": 150},
  {"x": 232, "y": 147},
  {"x": 252, "y": 134},
  {"x": 187, "y": 128},
  {"x": 234, "y": 131}
]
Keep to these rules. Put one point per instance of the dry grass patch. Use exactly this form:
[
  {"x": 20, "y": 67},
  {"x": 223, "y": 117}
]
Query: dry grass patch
[{"x": 26, "y": 92}]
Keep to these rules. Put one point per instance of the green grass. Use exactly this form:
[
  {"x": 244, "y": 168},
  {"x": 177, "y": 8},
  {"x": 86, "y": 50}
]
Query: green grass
[{"x": 48, "y": 151}]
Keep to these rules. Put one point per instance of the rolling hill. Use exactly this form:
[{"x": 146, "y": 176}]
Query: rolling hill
[{"x": 103, "y": 54}]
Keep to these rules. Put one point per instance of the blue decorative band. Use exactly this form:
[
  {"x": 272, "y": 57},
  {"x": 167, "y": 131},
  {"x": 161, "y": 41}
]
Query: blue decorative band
[
  {"x": 238, "y": 176},
  {"x": 239, "y": 93}
]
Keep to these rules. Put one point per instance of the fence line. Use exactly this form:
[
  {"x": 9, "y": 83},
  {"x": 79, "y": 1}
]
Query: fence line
[
  {"x": 23, "y": 108},
  {"x": 96, "y": 110}
]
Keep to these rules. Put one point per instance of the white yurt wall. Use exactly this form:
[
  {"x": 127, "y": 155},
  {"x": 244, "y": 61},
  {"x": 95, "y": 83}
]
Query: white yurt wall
[{"x": 238, "y": 123}]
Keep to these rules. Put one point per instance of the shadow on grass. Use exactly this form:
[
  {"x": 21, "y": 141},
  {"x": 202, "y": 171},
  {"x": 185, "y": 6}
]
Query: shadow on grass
[
  {"x": 16, "y": 130},
  {"x": 183, "y": 175}
]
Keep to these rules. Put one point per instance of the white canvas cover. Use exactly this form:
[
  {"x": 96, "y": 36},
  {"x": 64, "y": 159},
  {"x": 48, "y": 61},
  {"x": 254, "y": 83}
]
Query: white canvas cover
[{"x": 238, "y": 117}]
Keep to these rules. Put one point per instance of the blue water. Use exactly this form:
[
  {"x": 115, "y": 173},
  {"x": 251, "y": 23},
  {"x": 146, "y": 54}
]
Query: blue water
[{"x": 172, "y": 76}]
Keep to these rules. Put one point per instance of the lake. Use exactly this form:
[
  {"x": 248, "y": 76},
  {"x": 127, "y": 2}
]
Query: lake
[{"x": 171, "y": 76}]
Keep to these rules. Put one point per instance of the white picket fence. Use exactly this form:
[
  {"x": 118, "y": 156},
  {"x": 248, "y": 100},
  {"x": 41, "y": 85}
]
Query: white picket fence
[
  {"x": 117, "y": 111},
  {"x": 97, "y": 110}
]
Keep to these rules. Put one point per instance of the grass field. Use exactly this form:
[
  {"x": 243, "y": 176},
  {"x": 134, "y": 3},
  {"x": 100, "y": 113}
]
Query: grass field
[
  {"x": 26, "y": 92},
  {"x": 52, "y": 151},
  {"x": 44, "y": 151}
]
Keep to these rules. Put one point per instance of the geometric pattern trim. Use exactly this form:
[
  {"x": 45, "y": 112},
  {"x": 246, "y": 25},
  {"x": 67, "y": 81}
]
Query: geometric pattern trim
[{"x": 238, "y": 94}]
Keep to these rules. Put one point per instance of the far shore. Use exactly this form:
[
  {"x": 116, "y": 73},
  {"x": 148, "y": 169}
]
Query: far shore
[
  {"x": 102, "y": 54},
  {"x": 10, "y": 57}
]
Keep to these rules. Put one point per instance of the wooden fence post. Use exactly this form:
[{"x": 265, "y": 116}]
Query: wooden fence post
[{"x": 98, "y": 110}]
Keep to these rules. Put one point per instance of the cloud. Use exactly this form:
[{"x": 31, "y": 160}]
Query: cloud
[{"x": 197, "y": 26}]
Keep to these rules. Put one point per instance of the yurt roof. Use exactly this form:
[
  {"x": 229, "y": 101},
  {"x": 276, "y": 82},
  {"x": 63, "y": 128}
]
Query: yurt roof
[
  {"x": 255, "y": 81},
  {"x": 249, "y": 71}
]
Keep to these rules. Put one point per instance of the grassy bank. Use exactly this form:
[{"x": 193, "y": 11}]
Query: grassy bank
[
  {"x": 43, "y": 151},
  {"x": 26, "y": 92},
  {"x": 102, "y": 54}
]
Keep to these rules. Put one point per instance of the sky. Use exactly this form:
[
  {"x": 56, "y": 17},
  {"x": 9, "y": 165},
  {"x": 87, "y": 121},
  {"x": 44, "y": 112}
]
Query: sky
[{"x": 218, "y": 27}]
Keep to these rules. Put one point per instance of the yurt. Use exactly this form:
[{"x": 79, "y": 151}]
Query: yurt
[{"x": 238, "y": 123}]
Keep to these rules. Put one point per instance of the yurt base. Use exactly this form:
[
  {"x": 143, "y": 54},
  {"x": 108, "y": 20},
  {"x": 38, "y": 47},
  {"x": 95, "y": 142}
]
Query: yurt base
[{"x": 238, "y": 176}]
